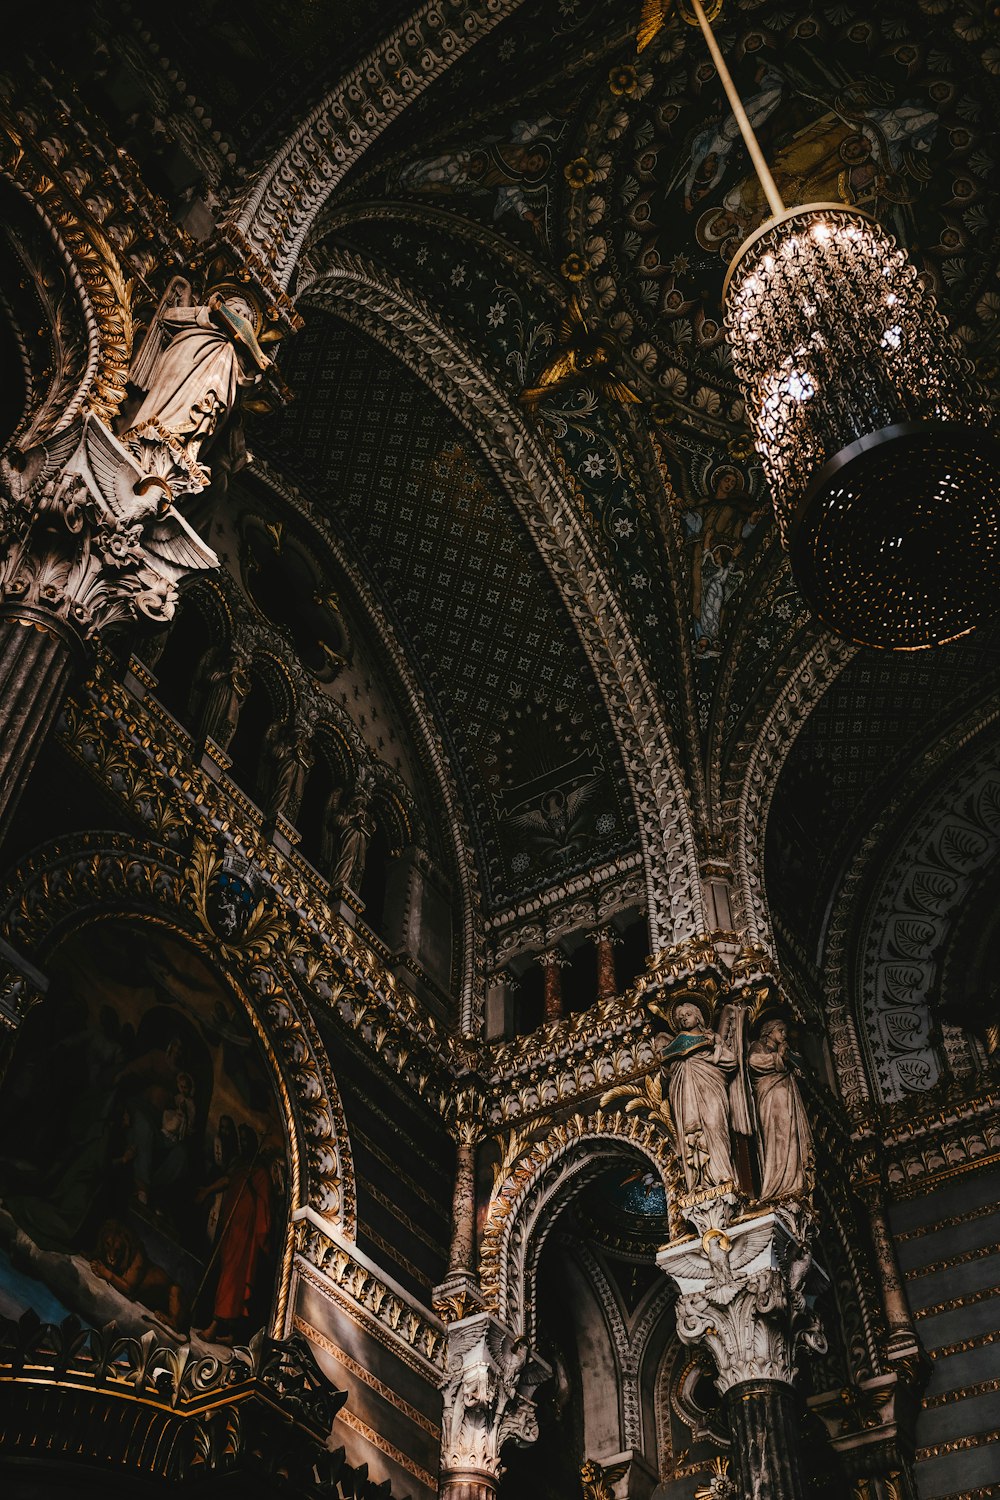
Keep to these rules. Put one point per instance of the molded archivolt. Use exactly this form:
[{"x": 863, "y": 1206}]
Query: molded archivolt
[
  {"x": 70, "y": 884},
  {"x": 74, "y": 350},
  {"x": 535, "y": 1186},
  {"x": 922, "y": 889},
  {"x": 372, "y": 301},
  {"x": 750, "y": 781},
  {"x": 273, "y": 219}
]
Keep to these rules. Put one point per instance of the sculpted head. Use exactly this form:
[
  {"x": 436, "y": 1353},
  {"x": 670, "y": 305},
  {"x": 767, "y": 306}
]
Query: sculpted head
[
  {"x": 773, "y": 1033},
  {"x": 689, "y": 1016}
]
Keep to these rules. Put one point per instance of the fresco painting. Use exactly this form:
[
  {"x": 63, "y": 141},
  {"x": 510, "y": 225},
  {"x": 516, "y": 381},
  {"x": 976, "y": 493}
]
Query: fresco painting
[{"x": 142, "y": 1159}]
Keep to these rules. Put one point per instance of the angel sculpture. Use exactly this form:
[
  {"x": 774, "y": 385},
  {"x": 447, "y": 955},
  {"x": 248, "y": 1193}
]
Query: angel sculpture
[
  {"x": 723, "y": 1262},
  {"x": 192, "y": 380},
  {"x": 138, "y": 508},
  {"x": 583, "y": 357}
]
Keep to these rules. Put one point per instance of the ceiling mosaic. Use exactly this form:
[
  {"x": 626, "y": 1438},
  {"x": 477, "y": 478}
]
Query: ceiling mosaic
[
  {"x": 619, "y": 179},
  {"x": 460, "y": 577},
  {"x": 258, "y": 70}
]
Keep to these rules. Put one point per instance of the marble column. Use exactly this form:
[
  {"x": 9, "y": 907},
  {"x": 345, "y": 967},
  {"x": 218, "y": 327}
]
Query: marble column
[
  {"x": 553, "y": 964},
  {"x": 743, "y": 1298},
  {"x": 764, "y": 1428},
  {"x": 461, "y": 1259},
  {"x": 458, "y": 1295},
  {"x": 902, "y": 1341},
  {"x": 38, "y": 655},
  {"x": 88, "y": 539},
  {"x": 607, "y": 983}
]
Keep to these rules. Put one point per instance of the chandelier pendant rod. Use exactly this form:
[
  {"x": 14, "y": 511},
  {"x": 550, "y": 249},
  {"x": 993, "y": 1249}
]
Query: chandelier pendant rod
[{"x": 767, "y": 182}]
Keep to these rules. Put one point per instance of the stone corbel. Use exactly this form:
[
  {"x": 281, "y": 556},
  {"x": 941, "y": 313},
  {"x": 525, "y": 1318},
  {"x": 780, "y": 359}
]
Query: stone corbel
[
  {"x": 487, "y": 1390},
  {"x": 870, "y": 1424}
]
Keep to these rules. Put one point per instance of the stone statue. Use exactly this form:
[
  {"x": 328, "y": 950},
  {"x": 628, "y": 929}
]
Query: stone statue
[
  {"x": 699, "y": 1062},
  {"x": 192, "y": 382},
  {"x": 356, "y": 830},
  {"x": 785, "y": 1136},
  {"x": 289, "y": 755},
  {"x": 330, "y": 830},
  {"x": 221, "y": 687},
  {"x": 486, "y": 1392}
]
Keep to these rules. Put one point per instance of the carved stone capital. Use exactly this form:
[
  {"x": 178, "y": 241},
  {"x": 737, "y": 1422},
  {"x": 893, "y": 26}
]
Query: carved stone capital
[
  {"x": 90, "y": 538},
  {"x": 746, "y": 1294},
  {"x": 457, "y": 1297},
  {"x": 491, "y": 1376}
]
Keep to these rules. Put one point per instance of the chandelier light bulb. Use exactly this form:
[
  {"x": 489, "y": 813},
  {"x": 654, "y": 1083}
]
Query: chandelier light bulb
[{"x": 872, "y": 436}]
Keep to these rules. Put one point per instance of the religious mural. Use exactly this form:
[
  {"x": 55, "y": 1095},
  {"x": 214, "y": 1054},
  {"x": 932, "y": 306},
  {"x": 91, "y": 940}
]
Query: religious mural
[{"x": 142, "y": 1165}]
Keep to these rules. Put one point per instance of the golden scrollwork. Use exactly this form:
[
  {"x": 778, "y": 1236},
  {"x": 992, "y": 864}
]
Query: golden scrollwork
[{"x": 529, "y": 1164}]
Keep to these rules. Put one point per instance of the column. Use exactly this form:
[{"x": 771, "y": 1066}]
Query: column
[
  {"x": 461, "y": 1260},
  {"x": 37, "y": 657},
  {"x": 743, "y": 1297},
  {"x": 743, "y": 1144},
  {"x": 459, "y": 1295},
  {"x": 87, "y": 540},
  {"x": 605, "y": 940},
  {"x": 868, "y": 1182},
  {"x": 553, "y": 964},
  {"x": 492, "y": 1375}
]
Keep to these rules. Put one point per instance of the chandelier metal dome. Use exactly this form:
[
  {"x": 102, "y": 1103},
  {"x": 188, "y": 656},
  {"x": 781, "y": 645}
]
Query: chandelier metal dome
[{"x": 872, "y": 435}]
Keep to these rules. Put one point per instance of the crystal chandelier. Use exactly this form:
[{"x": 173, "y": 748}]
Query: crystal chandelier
[{"x": 871, "y": 434}]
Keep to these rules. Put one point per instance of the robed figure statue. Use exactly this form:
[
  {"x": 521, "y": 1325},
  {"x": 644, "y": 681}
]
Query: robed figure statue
[{"x": 700, "y": 1062}]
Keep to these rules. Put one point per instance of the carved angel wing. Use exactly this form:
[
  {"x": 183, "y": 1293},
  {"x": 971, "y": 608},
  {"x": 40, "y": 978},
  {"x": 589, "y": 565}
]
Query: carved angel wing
[
  {"x": 692, "y": 1267},
  {"x": 176, "y": 546},
  {"x": 748, "y": 1247},
  {"x": 40, "y": 463},
  {"x": 114, "y": 471}
]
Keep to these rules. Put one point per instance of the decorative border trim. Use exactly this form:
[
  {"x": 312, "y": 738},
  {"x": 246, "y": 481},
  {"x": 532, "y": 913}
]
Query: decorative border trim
[{"x": 360, "y": 1372}]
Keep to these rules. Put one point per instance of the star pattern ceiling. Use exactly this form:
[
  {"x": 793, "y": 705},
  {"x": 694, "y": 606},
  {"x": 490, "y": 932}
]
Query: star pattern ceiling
[{"x": 461, "y": 578}]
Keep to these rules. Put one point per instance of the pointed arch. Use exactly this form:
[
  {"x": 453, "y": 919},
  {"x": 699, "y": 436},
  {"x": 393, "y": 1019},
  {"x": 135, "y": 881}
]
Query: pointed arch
[
  {"x": 374, "y": 302},
  {"x": 520, "y": 1215}
]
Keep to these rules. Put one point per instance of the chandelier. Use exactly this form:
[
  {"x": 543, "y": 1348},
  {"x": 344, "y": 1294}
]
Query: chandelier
[{"x": 871, "y": 434}]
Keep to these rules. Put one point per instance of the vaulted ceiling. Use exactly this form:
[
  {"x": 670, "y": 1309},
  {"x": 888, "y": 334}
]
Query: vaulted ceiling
[{"x": 550, "y": 174}]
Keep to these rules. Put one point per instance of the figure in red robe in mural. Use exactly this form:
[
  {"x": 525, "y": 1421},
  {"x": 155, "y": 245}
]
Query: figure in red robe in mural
[{"x": 244, "y": 1231}]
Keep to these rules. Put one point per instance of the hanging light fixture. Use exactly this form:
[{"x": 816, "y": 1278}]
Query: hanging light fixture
[{"x": 871, "y": 434}]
